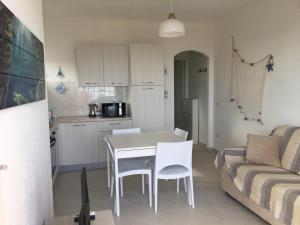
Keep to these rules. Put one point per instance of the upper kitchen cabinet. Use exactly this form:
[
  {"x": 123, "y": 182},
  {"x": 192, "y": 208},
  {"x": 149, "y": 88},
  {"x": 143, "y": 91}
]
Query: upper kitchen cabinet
[
  {"x": 89, "y": 60},
  {"x": 147, "y": 67},
  {"x": 116, "y": 65}
]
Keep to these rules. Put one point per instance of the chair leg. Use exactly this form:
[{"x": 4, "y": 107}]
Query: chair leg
[
  {"x": 188, "y": 192},
  {"x": 155, "y": 191},
  {"x": 192, "y": 191},
  {"x": 150, "y": 189},
  {"x": 112, "y": 187},
  {"x": 153, "y": 182},
  {"x": 117, "y": 195},
  {"x": 115, "y": 206},
  {"x": 185, "y": 186},
  {"x": 177, "y": 186},
  {"x": 121, "y": 186},
  {"x": 108, "y": 168},
  {"x": 143, "y": 184}
]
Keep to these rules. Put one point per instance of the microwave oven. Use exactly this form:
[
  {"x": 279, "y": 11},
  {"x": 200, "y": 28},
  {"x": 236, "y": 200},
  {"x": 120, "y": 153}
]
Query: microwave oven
[{"x": 116, "y": 109}]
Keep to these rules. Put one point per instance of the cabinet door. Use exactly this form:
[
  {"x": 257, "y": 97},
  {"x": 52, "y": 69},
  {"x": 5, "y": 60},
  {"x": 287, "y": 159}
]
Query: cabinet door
[
  {"x": 89, "y": 61},
  {"x": 78, "y": 143},
  {"x": 70, "y": 147},
  {"x": 147, "y": 67},
  {"x": 147, "y": 104},
  {"x": 91, "y": 150},
  {"x": 115, "y": 66},
  {"x": 103, "y": 145}
]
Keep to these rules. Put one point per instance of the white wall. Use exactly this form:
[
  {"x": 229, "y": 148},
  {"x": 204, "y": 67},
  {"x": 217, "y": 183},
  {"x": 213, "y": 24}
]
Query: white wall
[
  {"x": 270, "y": 26},
  {"x": 26, "y": 186},
  {"x": 62, "y": 34}
]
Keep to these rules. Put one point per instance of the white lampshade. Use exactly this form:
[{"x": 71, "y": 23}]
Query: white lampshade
[{"x": 171, "y": 27}]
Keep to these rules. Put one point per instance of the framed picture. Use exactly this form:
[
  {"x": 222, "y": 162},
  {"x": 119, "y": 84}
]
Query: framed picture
[{"x": 22, "y": 72}]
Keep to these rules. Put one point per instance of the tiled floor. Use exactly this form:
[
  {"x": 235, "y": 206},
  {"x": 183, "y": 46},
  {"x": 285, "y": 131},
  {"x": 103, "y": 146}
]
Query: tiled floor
[{"x": 212, "y": 205}]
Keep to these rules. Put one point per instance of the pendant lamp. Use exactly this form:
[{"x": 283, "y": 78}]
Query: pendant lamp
[{"x": 171, "y": 27}]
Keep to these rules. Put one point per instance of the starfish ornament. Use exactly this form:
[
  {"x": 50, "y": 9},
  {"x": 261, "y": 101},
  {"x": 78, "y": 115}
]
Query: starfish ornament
[{"x": 270, "y": 67}]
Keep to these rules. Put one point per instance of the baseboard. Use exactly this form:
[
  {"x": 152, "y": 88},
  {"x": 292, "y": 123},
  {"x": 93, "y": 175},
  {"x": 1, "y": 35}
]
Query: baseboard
[
  {"x": 212, "y": 149},
  {"x": 78, "y": 167}
]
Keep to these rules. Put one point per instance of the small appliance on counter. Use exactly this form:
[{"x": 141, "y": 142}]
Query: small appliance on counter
[
  {"x": 116, "y": 109},
  {"x": 92, "y": 110}
]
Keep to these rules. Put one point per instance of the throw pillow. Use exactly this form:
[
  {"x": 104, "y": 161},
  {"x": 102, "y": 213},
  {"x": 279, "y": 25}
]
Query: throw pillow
[{"x": 263, "y": 150}]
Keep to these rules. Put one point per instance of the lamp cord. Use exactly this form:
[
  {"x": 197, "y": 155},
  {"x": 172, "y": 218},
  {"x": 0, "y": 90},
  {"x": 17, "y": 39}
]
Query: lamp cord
[{"x": 171, "y": 5}]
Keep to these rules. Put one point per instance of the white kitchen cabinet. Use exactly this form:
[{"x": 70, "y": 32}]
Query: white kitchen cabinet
[
  {"x": 147, "y": 107},
  {"x": 78, "y": 143},
  {"x": 116, "y": 66},
  {"x": 147, "y": 67},
  {"x": 114, "y": 124},
  {"x": 89, "y": 62}
]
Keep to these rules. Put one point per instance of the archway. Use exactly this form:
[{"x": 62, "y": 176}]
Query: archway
[{"x": 191, "y": 99}]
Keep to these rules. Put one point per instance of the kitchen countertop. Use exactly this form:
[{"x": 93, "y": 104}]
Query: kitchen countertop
[{"x": 79, "y": 119}]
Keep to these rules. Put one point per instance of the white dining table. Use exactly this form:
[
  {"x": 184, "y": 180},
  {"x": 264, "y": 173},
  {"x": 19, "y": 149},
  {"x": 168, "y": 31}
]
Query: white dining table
[{"x": 136, "y": 145}]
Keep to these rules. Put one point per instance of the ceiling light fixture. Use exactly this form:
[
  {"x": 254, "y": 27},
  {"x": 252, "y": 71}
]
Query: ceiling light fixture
[{"x": 171, "y": 27}]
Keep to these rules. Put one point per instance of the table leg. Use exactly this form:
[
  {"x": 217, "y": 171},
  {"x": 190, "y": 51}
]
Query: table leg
[{"x": 117, "y": 196}]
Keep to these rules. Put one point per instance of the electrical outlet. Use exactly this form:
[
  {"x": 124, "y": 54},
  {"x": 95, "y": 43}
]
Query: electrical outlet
[
  {"x": 217, "y": 135},
  {"x": 217, "y": 104}
]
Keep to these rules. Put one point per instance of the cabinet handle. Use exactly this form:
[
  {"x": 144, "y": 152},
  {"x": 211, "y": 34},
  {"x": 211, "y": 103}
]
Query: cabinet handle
[
  {"x": 112, "y": 82},
  {"x": 79, "y": 125},
  {"x": 3, "y": 167},
  {"x": 120, "y": 83},
  {"x": 148, "y": 88},
  {"x": 114, "y": 123},
  {"x": 150, "y": 82},
  {"x": 90, "y": 83}
]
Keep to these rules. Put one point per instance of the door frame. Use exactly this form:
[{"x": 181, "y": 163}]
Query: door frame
[
  {"x": 185, "y": 64},
  {"x": 210, "y": 92}
]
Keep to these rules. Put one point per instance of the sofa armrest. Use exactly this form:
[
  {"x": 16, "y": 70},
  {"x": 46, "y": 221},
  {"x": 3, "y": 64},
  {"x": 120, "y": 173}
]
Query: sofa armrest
[{"x": 230, "y": 155}]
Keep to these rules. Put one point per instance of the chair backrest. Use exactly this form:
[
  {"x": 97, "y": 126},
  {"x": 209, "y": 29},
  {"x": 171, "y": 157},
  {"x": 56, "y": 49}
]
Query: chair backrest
[
  {"x": 174, "y": 153},
  {"x": 126, "y": 131},
  {"x": 181, "y": 133},
  {"x": 110, "y": 149}
]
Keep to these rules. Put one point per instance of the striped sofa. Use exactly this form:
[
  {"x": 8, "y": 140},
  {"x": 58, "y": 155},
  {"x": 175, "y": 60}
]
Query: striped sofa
[{"x": 272, "y": 193}]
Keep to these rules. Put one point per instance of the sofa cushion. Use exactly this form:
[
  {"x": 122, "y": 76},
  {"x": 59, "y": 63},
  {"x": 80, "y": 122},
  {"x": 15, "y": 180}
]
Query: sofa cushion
[
  {"x": 272, "y": 188},
  {"x": 263, "y": 150},
  {"x": 290, "y": 147}
]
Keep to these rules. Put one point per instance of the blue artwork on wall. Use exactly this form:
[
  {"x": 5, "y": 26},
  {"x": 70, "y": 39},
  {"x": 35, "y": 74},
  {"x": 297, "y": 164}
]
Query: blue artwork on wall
[{"x": 22, "y": 73}]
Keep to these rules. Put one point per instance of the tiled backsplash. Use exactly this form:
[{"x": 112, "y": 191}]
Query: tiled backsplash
[{"x": 75, "y": 100}]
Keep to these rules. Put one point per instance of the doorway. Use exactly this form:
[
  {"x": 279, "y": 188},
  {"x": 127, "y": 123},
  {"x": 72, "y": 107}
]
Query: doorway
[{"x": 191, "y": 94}]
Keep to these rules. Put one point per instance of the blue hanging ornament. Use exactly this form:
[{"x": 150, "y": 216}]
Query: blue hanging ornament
[
  {"x": 60, "y": 88},
  {"x": 270, "y": 64}
]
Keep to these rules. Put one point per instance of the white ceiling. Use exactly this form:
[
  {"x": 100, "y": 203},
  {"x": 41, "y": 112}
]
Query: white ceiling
[{"x": 186, "y": 10}]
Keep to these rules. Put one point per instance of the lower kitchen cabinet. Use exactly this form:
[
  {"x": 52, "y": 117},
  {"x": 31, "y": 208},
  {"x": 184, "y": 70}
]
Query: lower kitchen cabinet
[
  {"x": 83, "y": 143},
  {"x": 78, "y": 143}
]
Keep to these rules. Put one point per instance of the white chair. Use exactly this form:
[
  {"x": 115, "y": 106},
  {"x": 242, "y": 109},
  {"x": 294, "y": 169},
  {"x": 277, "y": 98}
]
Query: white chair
[
  {"x": 123, "y": 168},
  {"x": 173, "y": 161},
  {"x": 136, "y": 161},
  {"x": 183, "y": 134}
]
